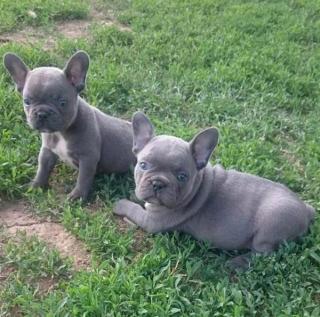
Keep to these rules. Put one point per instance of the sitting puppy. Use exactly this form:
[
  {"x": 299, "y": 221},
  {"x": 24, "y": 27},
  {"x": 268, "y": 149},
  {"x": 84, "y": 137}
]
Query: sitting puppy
[
  {"x": 72, "y": 130},
  {"x": 182, "y": 191}
]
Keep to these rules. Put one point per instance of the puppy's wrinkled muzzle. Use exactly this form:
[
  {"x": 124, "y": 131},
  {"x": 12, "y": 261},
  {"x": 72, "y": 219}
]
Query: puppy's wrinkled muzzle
[
  {"x": 42, "y": 115},
  {"x": 157, "y": 185},
  {"x": 156, "y": 189},
  {"x": 44, "y": 119}
]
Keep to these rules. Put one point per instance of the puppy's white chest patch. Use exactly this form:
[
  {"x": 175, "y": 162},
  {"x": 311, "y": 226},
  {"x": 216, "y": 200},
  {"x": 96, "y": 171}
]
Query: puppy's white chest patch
[{"x": 61, "y": 149}]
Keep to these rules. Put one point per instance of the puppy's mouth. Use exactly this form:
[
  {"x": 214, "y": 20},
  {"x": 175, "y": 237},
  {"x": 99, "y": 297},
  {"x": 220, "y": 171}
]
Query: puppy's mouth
[
  {"x": 42, "y": 129},
  {"x": 45, "y": 126},
  {"x": 149, "y": 198},
  {"x": 156, "y": 199},
  {"x": 153, "y": 200}
]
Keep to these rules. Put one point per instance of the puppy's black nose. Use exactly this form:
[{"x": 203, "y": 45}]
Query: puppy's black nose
[
  {"x": 42, "y": 115},
  {"x": 157, "y": 185}
]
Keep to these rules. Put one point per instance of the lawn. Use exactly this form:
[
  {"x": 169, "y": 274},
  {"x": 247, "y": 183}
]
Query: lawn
[
  {"x": 38, "y": 12},
  {"x": 250, "y": 68}
]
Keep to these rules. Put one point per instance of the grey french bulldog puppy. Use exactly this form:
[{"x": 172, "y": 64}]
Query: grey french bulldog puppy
[
  {"x": 80, "y": 135},
  {"x": 230, "y": 209}
]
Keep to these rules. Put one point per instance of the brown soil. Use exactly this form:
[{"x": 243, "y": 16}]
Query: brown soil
[
  {"x": 15, "y": 217},
  {"x": 46, "y": 285},
  {"x": 293, "y": 159},
  {"x": 5, "y": 272},
  {"x": 72, "y": 29},
  {"x": 140, "y": 241}
]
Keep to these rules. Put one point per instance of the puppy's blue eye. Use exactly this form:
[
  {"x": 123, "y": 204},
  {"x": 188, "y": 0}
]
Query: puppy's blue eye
[
  {"x": 62, "y": 102},
  {"x": 144, "y": 166},
  {"x": 27, "y": 101},
  {"x": 182, "y": 177}
]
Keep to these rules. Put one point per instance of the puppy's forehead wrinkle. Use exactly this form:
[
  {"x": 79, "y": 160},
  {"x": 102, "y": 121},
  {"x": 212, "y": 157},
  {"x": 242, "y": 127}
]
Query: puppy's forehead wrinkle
[
  {"x": 167, "y": 151},
  {"x": 44, "y": 80},
  {"x": 169, "y": 140},
  {"x": 47, "y": 73}
]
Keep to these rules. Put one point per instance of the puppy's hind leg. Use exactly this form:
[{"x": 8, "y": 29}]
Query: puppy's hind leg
[
  {"x": 259, "y": 245},
  {"x": 243, "y": 262},
  {"x": 239, "y": 263},
  {"x": 281, "y": 221}
]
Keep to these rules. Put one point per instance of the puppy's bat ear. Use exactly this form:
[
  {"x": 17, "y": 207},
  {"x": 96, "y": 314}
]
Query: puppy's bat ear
[
  {"x": 76, "y": 69},
  {"x": 17, "y": 69},
  {"x": 143, "y": 131},
  {"x": 202, "y": 146}
]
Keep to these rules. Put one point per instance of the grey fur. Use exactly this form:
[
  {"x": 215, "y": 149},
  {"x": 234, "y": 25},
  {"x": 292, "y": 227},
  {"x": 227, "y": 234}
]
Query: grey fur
[
  {"x": 71, "y": 129},
  {"x": 230, "y": 209}
]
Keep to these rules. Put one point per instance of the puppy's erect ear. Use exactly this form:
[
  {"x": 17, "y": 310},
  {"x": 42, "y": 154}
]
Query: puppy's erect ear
[
  {"x": 142, "y": 131},
  {"x": 202, "y": 146},
  {"x": 17, "y": 69},
  {"x": 76, "y": 69}
]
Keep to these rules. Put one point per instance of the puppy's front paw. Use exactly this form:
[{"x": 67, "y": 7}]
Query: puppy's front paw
[
  {"x": 122, "y": 207},
  {"x": 37, "y": 184},
  {"x": 77, "y": 194}
]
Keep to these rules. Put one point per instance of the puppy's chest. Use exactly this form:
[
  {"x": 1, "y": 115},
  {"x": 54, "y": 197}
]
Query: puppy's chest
[{"x": 59, "y": 146}]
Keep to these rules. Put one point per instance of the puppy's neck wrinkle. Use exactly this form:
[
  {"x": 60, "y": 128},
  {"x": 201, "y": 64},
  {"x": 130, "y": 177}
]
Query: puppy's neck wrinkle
[
  {"x": 169, "y": 218},
  {"x": 76, "y": 113},
  {"x": 204, "y": 189},
  {"x": 192, "y": 194}
]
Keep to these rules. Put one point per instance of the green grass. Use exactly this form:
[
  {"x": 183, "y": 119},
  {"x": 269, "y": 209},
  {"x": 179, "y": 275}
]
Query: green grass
[
  {"x": 251, "y": 68},
  {"x": 15, "y": 15},
  {"x": 30, "y": 262}
]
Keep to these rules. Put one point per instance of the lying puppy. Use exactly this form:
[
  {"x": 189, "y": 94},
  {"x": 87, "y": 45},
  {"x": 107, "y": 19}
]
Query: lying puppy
[
  {"x": 72, "y": 130},
  {"x": 182, "y": 191}
]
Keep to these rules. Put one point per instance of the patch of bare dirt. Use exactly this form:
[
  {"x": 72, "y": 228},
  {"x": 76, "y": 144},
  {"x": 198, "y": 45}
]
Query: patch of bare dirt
[
  {"x": 5, "y": 272},
  {"x": 140, "y": 241},
  {"x": 108, "y": 19},
  {"x": 16, "y": 312},
  {"x": 15, "y": 217},
  {"x": 94, "y": 206},
  {"x": 72, "y": 29},
  {"x": 316, "y": 298},
  {"x": 46, "y": 285},
  {"x": 293, "y": 159}
]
